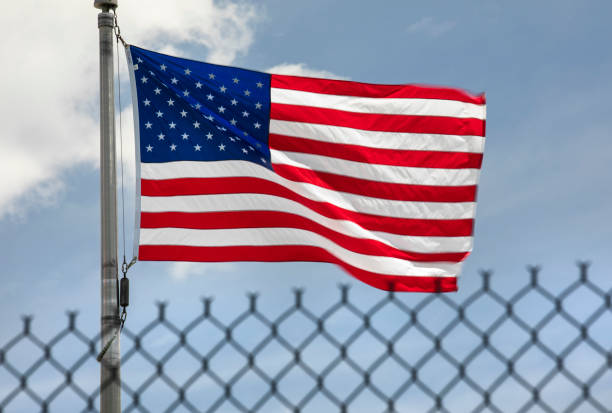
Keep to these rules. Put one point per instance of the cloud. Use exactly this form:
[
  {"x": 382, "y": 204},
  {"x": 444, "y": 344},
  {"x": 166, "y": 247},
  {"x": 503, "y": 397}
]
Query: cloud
[
  {"x": 300, "y": 69},
  {"x": 50, "y": 80},
  {"x": 225, "y": 29},
  {"x": 430, "y": 27},
  {"x": 182, "y": 270}
]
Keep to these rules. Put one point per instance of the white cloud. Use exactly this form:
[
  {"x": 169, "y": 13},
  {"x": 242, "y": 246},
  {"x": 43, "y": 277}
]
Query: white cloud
[
  {"x": 431, "y": 27},
  {"x": 50, "y": 79},
  {"x": 224, "y": 29},
  {"x": 300, "y": 69},
  {"x": 182, "y": 270}
]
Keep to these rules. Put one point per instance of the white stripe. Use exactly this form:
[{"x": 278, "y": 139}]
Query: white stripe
[
  {"x": 374, "y": 172},
  {"x": 389, "y": 106},
  {"x": 260, "y": 202},
  {"x": 351, "y": 202},
  {"x": 291, "y": 236},
  {"x": 376, "y": 139}
]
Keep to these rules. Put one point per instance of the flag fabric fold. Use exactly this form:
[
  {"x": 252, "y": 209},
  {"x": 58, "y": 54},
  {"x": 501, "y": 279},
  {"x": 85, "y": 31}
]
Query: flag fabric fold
[{"x": 238, "y": 165}]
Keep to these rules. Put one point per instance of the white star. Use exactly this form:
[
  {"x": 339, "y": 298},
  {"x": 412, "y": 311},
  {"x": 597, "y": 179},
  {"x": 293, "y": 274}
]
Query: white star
[
  {"x": 161, "y": 136},
  {"x": 163, "y": 67},
  {"x": 251, "y": 148},
  {"x": 172, "y": 125},
  {"x": 187, "y": 72},
  {"x": 196, "y": 124},
  {"x": 148, "y": 125},
  {"x": 222, "y": 147},
  {"x": 199, "y": 85},
  {"x": 258, "y": 105},
  {"x": 157, "y": 91},
  {"x": 135, "y": 66},
  {"x": 170, "y": 102},
  {"x": 221, "y": 109},
  {"x": 263, "y": 160},
  {"x": 209, "y": 117},
  {"x": 185, "y": 136},
  {"x": 245, "y": 114},
  {"x": 209, "y": 136},
  {"x": 173, "y": 147},
  {"x": 234, "y": 102},
  {"x": 233, "y": 122},
  {"x": 149, "y": 148},
  {"x": 259, "y": 84},
  {"x": 174, "y": 80},
  {"x": 146, "y": 102},
  {"x": 151, "y": 73},
  {"x": 244, "y": 151},
  {"x": 223, "y": 89},
  {"x": 186, "y": 93},
  {"x": 236, "y": 80},
  {"x": 139, "y": 59},
  {"x": 197, "y": 147},
  {"x": 221, "y": 128},
  {"x": 257, "y": 125},
  {"x": 247, "y": 92},
  {"x": 159, "y": 113},
  {"x": 211, "y": 75},
  {"x": 210, "y": 97},
  {"x": 232, "y": 139},
  {"x": 198, "y": 106},
  {"x": 245, "y": 133},
  {"x": 144, "y": 79},
  {"x": 183, "y": 113}
]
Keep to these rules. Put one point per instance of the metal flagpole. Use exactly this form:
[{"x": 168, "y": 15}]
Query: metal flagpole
[{"x": 110, "y": 380}]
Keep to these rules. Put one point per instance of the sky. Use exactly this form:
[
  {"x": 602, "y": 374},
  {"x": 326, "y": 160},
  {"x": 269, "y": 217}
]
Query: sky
[{"x": 544, "y": 196}]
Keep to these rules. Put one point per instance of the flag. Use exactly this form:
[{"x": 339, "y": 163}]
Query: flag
[{"x": 239, "y": 165}]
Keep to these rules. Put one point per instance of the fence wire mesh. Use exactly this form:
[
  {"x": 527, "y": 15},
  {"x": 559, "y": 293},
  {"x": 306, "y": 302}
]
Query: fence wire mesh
[{"x": 534, "y": 350}]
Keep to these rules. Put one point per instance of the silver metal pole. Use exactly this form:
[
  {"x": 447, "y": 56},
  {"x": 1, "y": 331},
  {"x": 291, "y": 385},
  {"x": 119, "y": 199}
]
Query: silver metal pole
[{"x": 110, "y": 380}]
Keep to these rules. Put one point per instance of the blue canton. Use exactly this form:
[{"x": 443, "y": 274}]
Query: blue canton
[{"x": 195, "y": 111}]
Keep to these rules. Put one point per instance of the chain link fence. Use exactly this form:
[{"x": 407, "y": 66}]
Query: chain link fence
[{"x": 536, "y": 349}]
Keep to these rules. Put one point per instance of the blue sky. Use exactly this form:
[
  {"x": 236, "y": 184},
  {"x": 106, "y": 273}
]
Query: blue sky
[{"x": 545, "y": 195}]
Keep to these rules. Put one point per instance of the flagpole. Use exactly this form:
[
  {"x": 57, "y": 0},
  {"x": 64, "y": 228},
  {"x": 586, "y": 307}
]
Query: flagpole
[{"x": 110, "y": 380}]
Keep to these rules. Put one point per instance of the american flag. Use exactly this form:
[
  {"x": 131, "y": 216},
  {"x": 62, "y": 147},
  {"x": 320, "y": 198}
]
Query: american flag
[{"x": 238, "y": 165}]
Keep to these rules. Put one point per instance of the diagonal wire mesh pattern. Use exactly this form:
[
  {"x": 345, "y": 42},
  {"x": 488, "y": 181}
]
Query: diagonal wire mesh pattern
[{"x": 534, "y": 349}]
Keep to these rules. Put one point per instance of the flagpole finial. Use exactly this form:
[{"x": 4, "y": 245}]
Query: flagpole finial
[{"x": 106, "y": 5}]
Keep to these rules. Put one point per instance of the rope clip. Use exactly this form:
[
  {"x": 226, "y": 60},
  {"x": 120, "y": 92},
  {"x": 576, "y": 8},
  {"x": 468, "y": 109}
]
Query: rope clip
[{"x": 117, "y": 30}]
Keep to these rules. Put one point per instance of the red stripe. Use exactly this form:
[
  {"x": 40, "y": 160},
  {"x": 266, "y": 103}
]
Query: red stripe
[
  {"x": 378, "y": 122},
  {"x": 293, "y": 253},
  {"x": 348, "y": 88},
  {"x": 384, "y": 190},
  {"x": 395, "y": 157},
  {"x": 231, "y": 185},
  {"x": 277, "y": 219}
]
